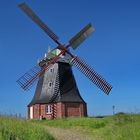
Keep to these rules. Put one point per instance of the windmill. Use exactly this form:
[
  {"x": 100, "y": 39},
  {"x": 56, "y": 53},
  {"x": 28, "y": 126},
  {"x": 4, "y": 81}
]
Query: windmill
[{"x": 60, "y": 97}]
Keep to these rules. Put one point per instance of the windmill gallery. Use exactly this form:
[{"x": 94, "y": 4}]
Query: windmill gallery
[{"x": 57, "y": 94}]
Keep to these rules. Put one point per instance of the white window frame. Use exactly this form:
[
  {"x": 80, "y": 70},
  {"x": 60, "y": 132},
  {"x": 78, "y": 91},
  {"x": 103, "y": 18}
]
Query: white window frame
[{"x": 49, "y": 109}]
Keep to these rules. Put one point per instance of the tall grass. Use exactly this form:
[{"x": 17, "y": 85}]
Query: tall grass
[
  {"x": 120, "y": 127},
  {"x": 16, "y": 129},
  {"x": 117, "y": 127},
  {"x": 74, "y": 122},
  {"x": 86, "y": 126}
]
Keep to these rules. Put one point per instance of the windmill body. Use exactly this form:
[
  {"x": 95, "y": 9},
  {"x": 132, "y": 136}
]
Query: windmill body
[{"x": 56, "y": 94}]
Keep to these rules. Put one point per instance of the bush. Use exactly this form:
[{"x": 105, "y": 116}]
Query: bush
[
  {"x": 120, "y": 113},
  {"x": 122, "y": 118}
]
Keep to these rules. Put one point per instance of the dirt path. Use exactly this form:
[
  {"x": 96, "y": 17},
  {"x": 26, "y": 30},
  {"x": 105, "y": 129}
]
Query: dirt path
[{"x": 67, "y": 134}]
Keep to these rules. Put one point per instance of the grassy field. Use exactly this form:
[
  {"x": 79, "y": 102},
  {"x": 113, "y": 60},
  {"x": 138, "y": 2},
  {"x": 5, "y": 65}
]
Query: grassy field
[
  {"x": 17, "y": 129},
  {"x": 117, "y": 127}
]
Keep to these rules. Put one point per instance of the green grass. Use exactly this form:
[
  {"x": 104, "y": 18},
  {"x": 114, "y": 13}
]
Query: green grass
[
  {"x": 16, "y": 129},
  {"x": 118, "y": 127},
  {"x": 74, "y": 122}
]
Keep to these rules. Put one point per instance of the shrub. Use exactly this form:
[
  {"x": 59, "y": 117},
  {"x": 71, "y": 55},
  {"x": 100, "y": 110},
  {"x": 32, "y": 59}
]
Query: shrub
[{"x": 122, "y": 118}]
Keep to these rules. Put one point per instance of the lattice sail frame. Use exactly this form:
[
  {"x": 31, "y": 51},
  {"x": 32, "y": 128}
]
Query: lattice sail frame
[
  {"x": 26, "y": 81},
  {"x": 91, "y": 74}
]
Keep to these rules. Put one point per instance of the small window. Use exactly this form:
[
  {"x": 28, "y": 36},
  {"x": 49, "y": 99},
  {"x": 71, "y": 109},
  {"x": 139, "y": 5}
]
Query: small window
[
  {"x": 50, "y": 84},
  {"x": 48, "y": 109},
  {"x": 51, "y": 70}
]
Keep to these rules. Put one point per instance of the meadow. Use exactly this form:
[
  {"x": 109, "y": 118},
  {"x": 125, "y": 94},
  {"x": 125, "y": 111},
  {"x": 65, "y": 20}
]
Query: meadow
[
  {"x": 118, "y": 127},
  {"x": 18, "y": 129}
]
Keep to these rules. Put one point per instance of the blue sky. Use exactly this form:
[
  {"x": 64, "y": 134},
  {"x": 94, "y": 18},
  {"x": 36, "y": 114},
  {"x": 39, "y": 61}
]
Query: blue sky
[{"x": 113, "y": 50}]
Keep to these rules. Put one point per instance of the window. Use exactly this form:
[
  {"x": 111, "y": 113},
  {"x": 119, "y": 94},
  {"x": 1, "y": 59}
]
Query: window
[
  {"x": 51, "y": 70},
  {"x": 50, "y": 84},
  {"x": 48, "y": 109}
]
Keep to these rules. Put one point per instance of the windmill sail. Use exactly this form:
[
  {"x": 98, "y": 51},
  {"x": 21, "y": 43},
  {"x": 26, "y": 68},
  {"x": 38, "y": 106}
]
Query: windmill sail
[
  {"x": 81, "y": 36},
  {"x": 92, "y": 75},
  {"x": 26, "y": 81},
  {"x": 38, "y": 21}
]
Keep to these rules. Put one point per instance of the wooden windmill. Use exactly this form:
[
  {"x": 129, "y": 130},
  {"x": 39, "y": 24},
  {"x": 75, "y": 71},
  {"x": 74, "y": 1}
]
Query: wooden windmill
[{"x": 56, "y": 94}]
